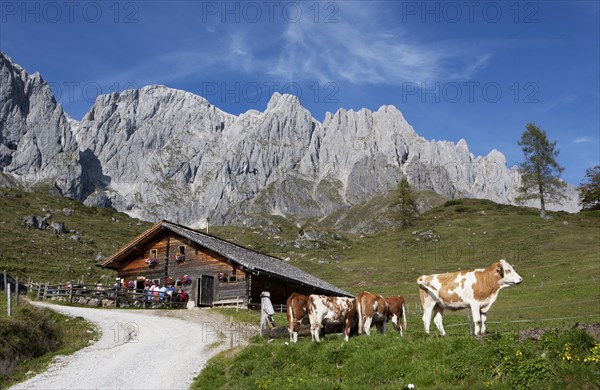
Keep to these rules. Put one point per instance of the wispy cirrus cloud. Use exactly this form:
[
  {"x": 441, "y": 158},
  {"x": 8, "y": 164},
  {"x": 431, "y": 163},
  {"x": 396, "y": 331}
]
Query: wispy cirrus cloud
[
  {"x": 358, "y": 50},
  {"x": 582, "y": 140}
]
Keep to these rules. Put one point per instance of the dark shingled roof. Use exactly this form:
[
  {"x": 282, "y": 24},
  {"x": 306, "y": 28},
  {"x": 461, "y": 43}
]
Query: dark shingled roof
[{"x": 250, "y": 259}]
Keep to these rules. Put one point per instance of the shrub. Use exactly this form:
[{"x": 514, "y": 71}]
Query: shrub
[{"x": 452, "y": 202}]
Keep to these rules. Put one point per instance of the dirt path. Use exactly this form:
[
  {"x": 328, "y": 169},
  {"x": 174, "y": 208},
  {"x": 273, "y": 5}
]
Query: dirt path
[{"x": 137, "y": 350}]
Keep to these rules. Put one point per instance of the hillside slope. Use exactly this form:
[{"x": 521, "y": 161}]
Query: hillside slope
[
  {"x": 559, "y": 259},
  {"x": 46, "y": 256}
]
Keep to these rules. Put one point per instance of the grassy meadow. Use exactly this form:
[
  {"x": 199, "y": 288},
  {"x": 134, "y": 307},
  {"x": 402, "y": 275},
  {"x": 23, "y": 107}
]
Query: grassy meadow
[
  {"x": 45, "y": 256},
  {"x": 565, "y": 360},
  {"x": 558, "y": 258}
]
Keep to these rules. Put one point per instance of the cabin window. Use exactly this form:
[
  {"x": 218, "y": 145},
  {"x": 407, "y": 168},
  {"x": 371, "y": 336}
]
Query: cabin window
[
  {"x": 181, "y": 249},
  {"x": 156, "y": 281},
  {"x": 154, "y": 253},
  {"x": 233, "y": 278}
]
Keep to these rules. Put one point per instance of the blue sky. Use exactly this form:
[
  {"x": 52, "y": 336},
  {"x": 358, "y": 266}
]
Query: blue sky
[{"x": 473, "y": 70}]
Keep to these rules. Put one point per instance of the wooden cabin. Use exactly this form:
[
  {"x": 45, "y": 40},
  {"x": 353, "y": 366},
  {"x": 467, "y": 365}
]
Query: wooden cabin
[{"x": 220, "y": 272}]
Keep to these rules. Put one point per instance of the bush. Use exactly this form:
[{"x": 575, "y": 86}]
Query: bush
[{"x": 452, "y": 202}]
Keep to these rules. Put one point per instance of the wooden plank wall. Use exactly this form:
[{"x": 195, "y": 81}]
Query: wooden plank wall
[{"x": 198, "y": 261}]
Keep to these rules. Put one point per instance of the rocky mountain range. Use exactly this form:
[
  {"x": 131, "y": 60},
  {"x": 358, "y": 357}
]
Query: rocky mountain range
[{"x": 161, "y": 153}]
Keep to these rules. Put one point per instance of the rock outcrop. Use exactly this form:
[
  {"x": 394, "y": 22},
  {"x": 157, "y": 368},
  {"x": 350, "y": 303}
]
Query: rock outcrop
[{"x": 36, "y": 141}]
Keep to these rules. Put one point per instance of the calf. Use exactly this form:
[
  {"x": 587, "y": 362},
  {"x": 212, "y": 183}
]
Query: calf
[
  {"x": 295, "y": 312},
  {"x": 396, "y": 311},
  {"x": 371, "y": 309},
  {"x": 477, "y": 289},
  {"x": 334, "y": 309}
]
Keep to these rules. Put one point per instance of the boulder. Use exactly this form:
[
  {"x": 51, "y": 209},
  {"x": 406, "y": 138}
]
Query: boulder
[
  {"x": 58, "y": 227},
  {"x": 94, "y": 302},
  {"x": 108, "y": 303},
  {"x": 34, "y": 222}
]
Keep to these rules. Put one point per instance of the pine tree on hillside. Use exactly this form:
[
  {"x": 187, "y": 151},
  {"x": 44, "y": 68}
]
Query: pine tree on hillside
[
  {"x": 589, "y": 190},
  {"x": 540, "y": 173},
  {"x": 406, "y": 203}
]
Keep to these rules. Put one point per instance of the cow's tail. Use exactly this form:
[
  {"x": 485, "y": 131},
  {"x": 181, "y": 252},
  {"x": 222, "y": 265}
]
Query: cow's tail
[
  {"x": 290, "y": 315},
  {"x": 404, "y": 315},
  {"x": 429, "y": 289},
  {"x": 360, "y": 316}
]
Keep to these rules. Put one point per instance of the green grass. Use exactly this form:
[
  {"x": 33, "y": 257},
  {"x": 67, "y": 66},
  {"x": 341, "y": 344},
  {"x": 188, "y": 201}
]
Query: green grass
[
  {"x": 251, "y": 317},
  {"x": 391, "y": 362},
  {"x": 43, "y": 256},
  {"x": 32, "y": 337},
  {"x": 559, "y": 259}
]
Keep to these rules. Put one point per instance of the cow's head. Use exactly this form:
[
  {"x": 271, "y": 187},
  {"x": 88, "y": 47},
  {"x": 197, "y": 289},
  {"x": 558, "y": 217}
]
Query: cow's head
[{"x": 508, "y": 274}]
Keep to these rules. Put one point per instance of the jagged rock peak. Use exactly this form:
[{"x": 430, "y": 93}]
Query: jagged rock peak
[
  {"x": 36, "y": 141},
  {"x": 163, "y": 153}
]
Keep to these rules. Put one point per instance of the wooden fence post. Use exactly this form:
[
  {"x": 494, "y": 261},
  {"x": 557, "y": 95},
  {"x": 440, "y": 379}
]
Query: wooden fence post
[
  {"x": 7, "y": 290},
  {"x": 39, "y": 291},
  {"x": 17, "y": 291},
  {"x": 29, "y": 283},
  {"x": 70, "y": 292},
  {"x": 45, "y": 290}
]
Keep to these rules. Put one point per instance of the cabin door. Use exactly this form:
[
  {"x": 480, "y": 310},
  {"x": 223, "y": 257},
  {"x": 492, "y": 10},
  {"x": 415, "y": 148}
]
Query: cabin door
[{"x": 206, "y": 288}]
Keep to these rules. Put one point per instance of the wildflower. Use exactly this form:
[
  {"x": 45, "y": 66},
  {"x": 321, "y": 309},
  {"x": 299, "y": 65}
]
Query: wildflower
[
  {"x": 566, "y": 355},
  {"x": 594, "y": 355}
]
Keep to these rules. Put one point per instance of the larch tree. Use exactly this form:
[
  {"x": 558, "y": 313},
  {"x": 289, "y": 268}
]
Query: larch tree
[
  {"x": 589, "y": 189},
  {"x": 406, "y": 203},
  {"x": 540, "y": 173}
]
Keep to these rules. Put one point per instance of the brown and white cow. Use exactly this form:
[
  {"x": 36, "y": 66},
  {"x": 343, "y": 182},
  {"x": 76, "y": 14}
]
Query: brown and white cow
[
  {"x": 371, "y": 309},
  {"x": 477, "y": 289},
  {"x": 333, "y": 309},
  {"x": 396, "y": 311},
  {"x": 295, "y": 312},
  {"x": 375, "y": 309}
]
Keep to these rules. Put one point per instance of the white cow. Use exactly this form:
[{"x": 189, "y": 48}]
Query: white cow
[
  {"x": 477, "y": 289},
  {"x": 336, "y": 310}
]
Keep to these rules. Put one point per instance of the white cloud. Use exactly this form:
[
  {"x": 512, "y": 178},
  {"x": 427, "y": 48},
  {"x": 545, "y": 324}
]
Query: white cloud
[
  {"x": 582, "y": 140},
  {"x": 361, "y": 49}
]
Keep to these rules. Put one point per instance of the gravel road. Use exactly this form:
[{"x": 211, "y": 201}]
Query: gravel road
[{"x": 151, "y": 349}]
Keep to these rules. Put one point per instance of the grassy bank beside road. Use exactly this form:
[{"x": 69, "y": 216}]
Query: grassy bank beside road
[
  {"x": 562, "y": 359},
  {"x": 31, "y": 337}
]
